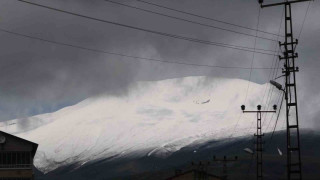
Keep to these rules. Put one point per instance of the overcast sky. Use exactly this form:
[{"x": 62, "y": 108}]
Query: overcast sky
[{"x": 38, "y": 77}]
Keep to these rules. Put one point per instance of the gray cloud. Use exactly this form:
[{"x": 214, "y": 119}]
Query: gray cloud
[{"x": 37, "y": 77}]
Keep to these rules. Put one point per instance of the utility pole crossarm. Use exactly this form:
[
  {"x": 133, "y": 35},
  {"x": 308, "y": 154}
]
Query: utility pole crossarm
[
  {"x": 225, "y": 161},
  {"x": 283, "y": 3},
  {"x": 258, "y": 111},
  {"x": 259, "y": 143}
]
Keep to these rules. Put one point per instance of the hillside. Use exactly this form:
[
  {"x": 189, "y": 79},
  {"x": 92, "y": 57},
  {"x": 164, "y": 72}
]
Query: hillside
[{"x": 155, "y": 118}]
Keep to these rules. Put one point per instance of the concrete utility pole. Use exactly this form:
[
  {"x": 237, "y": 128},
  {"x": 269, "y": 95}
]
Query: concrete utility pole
[
  {"x": 259, "y": 135},
  {"x": 201, "y": 169},
  {"x": 289, "y": 71},
  {"x": 225, "y": 161}
]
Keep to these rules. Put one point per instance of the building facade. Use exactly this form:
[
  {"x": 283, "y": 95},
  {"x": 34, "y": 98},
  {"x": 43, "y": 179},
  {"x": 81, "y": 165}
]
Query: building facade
[
  {"x": 16, "y": 157},
  {"x": 194, "y": 175}
]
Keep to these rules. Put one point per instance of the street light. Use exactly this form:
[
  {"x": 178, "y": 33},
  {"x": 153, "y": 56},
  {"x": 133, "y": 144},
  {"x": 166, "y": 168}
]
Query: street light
[
  {"x": 280, "y": 152},
  {"x": 249, "y": 151},
  {"x": 277, "y": 85}
]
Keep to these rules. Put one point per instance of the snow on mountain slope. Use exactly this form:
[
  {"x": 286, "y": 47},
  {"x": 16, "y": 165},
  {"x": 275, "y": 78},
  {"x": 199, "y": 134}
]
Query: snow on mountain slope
[{"x": 154, "y": 118}]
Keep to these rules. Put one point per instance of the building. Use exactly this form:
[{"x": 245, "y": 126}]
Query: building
[
  {"x": 194, "y": 175},
  {"x": 16, "y": 157}
]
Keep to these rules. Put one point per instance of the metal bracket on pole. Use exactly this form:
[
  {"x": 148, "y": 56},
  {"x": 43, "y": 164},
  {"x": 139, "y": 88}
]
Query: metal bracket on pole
[
  {"x": 283, "y": 3},
  {"x": 259, "y": 142}
]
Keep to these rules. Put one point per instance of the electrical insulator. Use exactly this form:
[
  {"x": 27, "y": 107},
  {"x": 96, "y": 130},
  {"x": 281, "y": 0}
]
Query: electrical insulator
[{"x": 259, "y": 107}]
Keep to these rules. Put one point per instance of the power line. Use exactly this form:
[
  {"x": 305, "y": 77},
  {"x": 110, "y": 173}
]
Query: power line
[
  {"x": 204, "y": 17},
  {"x": 294, "y": 166},
  {"x": 304, "y": 19},
  {"x": 255, "y": 40},
  {"x": 272, "y": 75},
  {"x": 305, "y": 16},
  {"x": 294, "y": 48},
  {"x": 268, "y": 101},
  {"x": 279, "y": 98},
  {"x": 274, "y": 129},
  {"x": 277, "y": 103},
  {"x": 253, "y": 56},
  {"x": 275, "y": 67},
  {"x": 189, "y": 21},
  {"x": 271, "y": 89},
  {"x": 119, "y": 54},
  {"x": 242, "y": 48},
  {"x": 269, "y": 97}
]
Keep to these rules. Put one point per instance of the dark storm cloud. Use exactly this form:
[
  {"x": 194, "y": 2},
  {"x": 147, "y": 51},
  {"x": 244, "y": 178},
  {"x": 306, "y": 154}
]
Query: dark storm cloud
[{"x": 37, "y": 77}]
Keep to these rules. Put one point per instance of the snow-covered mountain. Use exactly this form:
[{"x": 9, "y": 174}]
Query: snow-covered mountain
[{"x": 154, "y": 118}]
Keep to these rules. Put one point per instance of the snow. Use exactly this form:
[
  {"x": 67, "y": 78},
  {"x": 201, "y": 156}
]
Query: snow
[{"x": 155, "y": 118}]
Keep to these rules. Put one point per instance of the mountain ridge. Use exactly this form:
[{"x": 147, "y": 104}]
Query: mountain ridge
[{"x": 154, "y": 117}]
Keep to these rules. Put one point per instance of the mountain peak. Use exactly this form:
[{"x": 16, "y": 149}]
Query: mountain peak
[{"x": 154, "y": 117}]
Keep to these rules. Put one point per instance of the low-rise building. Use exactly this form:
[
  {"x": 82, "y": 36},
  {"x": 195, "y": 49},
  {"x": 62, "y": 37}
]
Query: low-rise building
[
  {"x": 16, "y": 157},
  {"x": 194, "y": 175}
]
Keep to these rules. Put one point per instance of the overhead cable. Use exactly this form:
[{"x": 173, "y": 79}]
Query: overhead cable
[
  {"x": 304, "y": 19},
  {"x": 253, "y": 55},
  {"x": 120, "y": 54},
  {"x": 204, "y": 17},
  {"x": 242, "y": 48},
  {"x": 187, "y": 20},
  {"x": 274, "y": 128}
]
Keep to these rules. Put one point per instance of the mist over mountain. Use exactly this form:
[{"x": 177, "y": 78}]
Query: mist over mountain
[{"x": 155, "y": 118}]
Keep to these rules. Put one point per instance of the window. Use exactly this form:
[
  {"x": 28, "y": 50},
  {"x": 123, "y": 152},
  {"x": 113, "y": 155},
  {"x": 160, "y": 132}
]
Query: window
[
  {"x": 15, "y": 178},
  {"x": 15, "y": 159}
]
